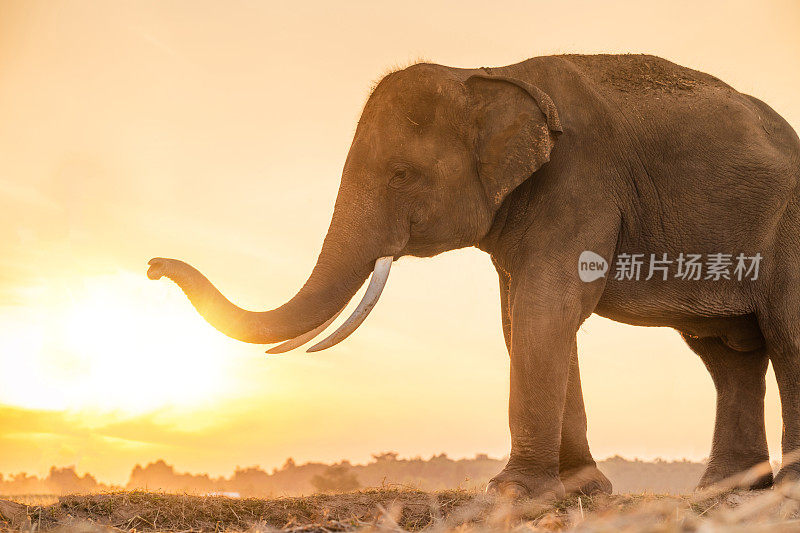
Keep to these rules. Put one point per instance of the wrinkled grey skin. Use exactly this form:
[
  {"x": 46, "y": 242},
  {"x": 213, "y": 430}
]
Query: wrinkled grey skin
[{"x": 536, "y": 162}]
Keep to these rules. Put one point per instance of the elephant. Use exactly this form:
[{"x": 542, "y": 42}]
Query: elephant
[{"x": 536, "y": 164}]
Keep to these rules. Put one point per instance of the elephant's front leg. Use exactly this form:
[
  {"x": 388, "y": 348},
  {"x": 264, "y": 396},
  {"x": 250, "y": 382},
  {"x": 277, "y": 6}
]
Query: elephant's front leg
[
  {"x": 576, "y": 466},
  {"x": 543, "y": 328}
]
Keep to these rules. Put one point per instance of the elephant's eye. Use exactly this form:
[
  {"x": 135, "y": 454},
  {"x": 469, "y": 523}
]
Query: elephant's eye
[{"x": 400, "y": 179}]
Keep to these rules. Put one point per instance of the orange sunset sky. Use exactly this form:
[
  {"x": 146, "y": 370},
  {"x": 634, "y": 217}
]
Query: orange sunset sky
[{"x": 215, "y": 132}]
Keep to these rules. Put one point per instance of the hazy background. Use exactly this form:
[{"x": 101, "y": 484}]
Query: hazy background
[{"x": 215, "y": 132}]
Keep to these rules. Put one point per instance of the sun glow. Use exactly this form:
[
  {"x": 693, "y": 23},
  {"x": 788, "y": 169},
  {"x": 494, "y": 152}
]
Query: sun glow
[{"x": 109, "y": 343}]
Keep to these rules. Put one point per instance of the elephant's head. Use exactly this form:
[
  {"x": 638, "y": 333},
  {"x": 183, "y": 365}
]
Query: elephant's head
[{"x": 435, "y": 153}]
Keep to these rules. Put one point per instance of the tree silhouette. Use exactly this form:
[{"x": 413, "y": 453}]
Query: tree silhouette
[{"x": 336, "y": 478}]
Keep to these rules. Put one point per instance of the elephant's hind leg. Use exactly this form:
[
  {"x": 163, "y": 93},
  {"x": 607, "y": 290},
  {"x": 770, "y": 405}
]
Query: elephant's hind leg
[
  {"x": 740, "y": 440},
  {"x": 783, "y": 343}
]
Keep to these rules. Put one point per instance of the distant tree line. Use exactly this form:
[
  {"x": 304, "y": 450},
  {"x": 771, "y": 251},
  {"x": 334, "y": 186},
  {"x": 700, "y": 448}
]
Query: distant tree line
[
  {"x": 438, "y": 472},
  {"x": 58, "y": 481}
]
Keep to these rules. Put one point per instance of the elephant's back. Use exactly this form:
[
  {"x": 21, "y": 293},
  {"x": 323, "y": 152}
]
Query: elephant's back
[
  {"x": 666, "y": 126},
  {"x": 661, "y": 107},
  {"x": 643, "y": 74}
]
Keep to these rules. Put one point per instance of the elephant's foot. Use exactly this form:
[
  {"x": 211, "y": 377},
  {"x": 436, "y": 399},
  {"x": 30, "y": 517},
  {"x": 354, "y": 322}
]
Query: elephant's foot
[
  {"x": 585, "y": 480},
  {"x": 752, "y": 473},
  {"x": 513, "y": 484}
]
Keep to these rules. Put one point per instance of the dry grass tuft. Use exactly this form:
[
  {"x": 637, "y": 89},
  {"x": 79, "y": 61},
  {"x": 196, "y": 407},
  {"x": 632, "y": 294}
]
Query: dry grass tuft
[{"x": 402, "y": 510}]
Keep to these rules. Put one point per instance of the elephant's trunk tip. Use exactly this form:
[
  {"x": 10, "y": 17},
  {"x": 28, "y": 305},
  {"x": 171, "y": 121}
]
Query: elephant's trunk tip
[{"x": 157, "y": 268}]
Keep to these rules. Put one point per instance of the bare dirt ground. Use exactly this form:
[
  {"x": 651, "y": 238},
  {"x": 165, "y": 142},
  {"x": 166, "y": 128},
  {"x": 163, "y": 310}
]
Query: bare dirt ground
[{"x": 402, "y": 510}]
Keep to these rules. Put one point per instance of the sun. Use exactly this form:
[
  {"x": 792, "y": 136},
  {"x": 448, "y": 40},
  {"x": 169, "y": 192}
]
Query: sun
[{"x": 110, "y": 343}]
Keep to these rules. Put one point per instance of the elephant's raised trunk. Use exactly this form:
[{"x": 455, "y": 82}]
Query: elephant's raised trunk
[
  {"x": 346, "y": 260},
  {"x": 305, "y": 311}
]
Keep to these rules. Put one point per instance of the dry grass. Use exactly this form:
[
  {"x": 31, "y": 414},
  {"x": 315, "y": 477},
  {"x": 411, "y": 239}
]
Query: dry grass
[{"x": 408, "y": 510}]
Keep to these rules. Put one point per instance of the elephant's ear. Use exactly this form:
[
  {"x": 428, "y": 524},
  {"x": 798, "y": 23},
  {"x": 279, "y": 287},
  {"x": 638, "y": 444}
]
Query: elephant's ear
[{"x": 516, "y": 124}]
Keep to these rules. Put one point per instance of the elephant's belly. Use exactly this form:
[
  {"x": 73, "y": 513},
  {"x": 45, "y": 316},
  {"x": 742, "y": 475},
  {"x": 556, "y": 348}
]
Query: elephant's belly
[
  {"x": 672, "y": 303},
  {"x": 700, "y": 309}
]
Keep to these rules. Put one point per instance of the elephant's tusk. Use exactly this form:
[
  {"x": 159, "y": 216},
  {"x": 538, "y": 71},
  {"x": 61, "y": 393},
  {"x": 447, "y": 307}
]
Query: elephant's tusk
[
  {"x": 300, "y": 340},
  {"x": 376, "y": 284}
]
